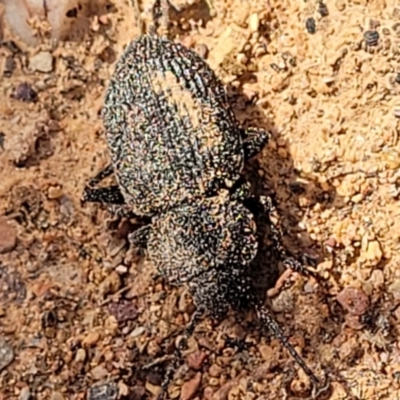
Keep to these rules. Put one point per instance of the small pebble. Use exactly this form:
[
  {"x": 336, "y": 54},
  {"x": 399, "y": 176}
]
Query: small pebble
[
  {"x": 91, "y": 339},
  {"x": 103, "y": 19},
  {"x": 195, "y": 360},
  {"x": 137, "y": 331},
  {"x": 6, "y": 354},
  {"x": 267, "y": 353},
  {"x": 207, "y": 343},
  {"x": 377, "y": 278},
  {"x": 57, "y": 396},
  {"x": 111, "y": 284},
  {"x": 53, "y": 125},
  {"x": 374, "y": 252},
  {"x": 111, "y": 326},
  {"x": 282, "y": 153},
  {"x": 183, "y": 302},
  {"x": 8, "y": 236},
  {"x": 189, "y": 388},
  {"x": 310, "y": 25},
  {"x": 54, "y": 193},
  {"x": 214, "y": 382},
  {"x": 25, "y": 92},
  {"x": 264, "y": 369},
  {"x": 322, "y": 9},
  {"x": 123, "y": 389},
  {"x": 153, "y": 389},
  {"x": 108, "y": 55},
  {"x": 371, "y": 37},
  {"x": 299, "y": 388},
  {"x": 353, "y": 300},
  {"x": 348, "y": 349},
  {"x": 124, "y": 310},
  {"x": 105, "y": 391},
  {"x": 109, "y": 355},
  {"x": 42, "y": 62},
  {"x": 340, "y": 4},
  {"x": 254, "y": 22},
  {"x": 9, "y": 66},
  {"x": 215, "y": 370},
  {"x": 66, "y": 207},
  {"x": 98, "y": 373},
  {"x": 80, "y": 355},
  {"x": 330, "y": 243},
  {"x": 208, "y": 393},
  {"x": 121, "y": 269},
  {"x": 223, "y": 392},
  {"x": 242, "y": 59},
  {"x": 25, "y": 394}
]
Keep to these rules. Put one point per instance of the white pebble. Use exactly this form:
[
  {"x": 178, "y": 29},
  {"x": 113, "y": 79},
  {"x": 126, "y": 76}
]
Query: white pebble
[{"x": 42, "y": 62}]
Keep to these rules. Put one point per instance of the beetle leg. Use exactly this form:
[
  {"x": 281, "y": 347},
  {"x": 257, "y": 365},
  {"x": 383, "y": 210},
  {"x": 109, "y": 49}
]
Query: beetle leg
[
  {"x": 254, "y": 140},
  {"x": 241, "y": 192},
  {"x": 288, "y": 261},
  {"x": 265, "y": 317}
]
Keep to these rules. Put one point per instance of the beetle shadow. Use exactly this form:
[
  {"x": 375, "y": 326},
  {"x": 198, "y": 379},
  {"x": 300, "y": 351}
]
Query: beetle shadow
[
  {"x": 81, "y": 18},
  {"x": 273, "y": 173},
  {"x": 199, "y": 11}
]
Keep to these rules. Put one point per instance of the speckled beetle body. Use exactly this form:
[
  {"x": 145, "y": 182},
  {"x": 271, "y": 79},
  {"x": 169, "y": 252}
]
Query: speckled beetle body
[{"x": 177, "y": 152}]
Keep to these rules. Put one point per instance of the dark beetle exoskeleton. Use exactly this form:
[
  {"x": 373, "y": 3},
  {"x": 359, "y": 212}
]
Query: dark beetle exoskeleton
[{"x": 177, "y": 152}]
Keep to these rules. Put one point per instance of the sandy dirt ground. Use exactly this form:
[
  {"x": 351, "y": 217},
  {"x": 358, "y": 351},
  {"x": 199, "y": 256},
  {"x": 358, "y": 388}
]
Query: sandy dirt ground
[{"x": 81, "y": 313}]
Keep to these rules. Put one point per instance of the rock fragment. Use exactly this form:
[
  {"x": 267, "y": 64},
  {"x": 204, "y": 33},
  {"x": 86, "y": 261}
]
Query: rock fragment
[
  {"x": 8, "y": 236},
  {"x": 42, "y": 62},
  {"x": 6, "y": 354}
]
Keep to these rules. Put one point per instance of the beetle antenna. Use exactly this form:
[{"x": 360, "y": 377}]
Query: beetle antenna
[{"x": 266, "y": 318}]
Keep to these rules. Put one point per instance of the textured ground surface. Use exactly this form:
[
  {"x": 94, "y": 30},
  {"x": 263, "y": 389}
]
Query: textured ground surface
[{"x": 77, "y": 309}]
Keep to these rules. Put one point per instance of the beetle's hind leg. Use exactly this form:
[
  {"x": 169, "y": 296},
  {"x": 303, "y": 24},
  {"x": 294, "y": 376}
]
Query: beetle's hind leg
[
  {"x": 242, "y": 193},
  {"x": 288, "y": 261},
  {"x": 254, "y": 140}
]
